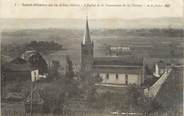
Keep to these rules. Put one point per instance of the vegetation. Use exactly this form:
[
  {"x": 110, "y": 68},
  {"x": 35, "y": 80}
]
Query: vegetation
[
  {"x": 57, "y": 92},
  {"x": 130, "y": 100},
  {"x": 57, "y": 95},
  {"x": 44, "y": 47}
]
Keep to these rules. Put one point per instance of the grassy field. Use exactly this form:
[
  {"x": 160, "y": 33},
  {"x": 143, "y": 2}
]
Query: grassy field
[
  {"x": 151, "y": 42},
  {"x": 145, "y": 42}
]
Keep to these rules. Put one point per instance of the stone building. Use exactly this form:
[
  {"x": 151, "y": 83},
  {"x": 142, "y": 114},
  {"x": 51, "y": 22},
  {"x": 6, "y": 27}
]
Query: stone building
[
  {"x": 113, "y": 70},
  {"x": 23, "y": 68},
  {"x": 36, "y": 61}
]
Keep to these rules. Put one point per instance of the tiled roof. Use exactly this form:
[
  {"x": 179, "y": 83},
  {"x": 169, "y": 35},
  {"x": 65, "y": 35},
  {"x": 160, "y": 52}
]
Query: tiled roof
[
  {"x": 35, "y": 61},
  {"x": 18, "y": 64},
  {"x": 27, "y": 54},
  {"x": 121, "y": 61}
]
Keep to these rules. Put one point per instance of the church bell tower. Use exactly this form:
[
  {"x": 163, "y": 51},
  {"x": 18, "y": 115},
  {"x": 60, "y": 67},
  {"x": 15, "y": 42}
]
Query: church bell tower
[{"x": 86, "y": 51}]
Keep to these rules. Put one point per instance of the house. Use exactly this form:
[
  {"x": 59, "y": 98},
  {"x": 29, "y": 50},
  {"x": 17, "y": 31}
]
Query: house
[
  {"x": 21, "y": 68},
  {"x": 119, "y": 50},
  {"x": 36, "y": 61},
  {"x": 16, "y": 70},
  {"x": 117, "y": 71}
]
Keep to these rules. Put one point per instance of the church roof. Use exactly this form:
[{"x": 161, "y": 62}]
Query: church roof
[
  {"x": 86, "y": 39},
  {"x": 119, "y": 60}
]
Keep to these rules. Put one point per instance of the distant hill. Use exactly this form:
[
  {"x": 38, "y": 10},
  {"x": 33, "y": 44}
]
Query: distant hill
[
  {"x": 76, "y": 35},
  {"x": 140, "y": 39},
  {"x": 114, "y": 23}
]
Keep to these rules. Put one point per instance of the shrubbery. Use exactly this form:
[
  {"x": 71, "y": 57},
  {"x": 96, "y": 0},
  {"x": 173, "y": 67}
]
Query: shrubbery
[{"x": 44, "y": 47}]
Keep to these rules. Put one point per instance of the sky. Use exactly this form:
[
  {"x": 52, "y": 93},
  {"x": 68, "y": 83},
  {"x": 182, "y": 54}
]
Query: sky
[
  {"x": 14, "y": 15},
  {"x": 9, "y": 24},
  {"x": 19, "y": 9}
]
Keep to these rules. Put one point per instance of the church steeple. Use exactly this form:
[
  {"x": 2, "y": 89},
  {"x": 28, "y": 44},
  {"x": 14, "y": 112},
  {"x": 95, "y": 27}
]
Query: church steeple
[
  {"x": 86, "y": 39},
  {"x": 86, "y": 51}
]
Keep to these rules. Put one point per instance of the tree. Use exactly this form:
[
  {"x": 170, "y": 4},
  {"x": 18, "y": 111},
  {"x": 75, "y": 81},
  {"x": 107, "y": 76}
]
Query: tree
[
  {"x": 53, "y": 96},
  {"x": 173, "y": 49},
  {"x": 69, "y": 68},
  {"x": 57, "y": 94}
]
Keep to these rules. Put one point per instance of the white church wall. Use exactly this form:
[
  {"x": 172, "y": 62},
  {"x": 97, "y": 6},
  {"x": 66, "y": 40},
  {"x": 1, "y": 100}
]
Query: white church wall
[
  {"x": 132, "y": 79},
  {"x": 121, "y": 78},
  {"x": 114, "y": 78},
  {"x": 103, "y": 76}
]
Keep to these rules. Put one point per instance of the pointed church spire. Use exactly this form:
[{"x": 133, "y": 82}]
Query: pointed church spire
[{"x": 86, "y": 33}]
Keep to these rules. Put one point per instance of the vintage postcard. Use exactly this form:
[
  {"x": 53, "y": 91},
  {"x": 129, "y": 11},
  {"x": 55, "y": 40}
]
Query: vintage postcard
[{"x": 92, "y": 57}]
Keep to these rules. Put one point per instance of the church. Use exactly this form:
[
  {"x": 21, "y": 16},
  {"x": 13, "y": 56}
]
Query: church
[{"x": 117, "y": 71}]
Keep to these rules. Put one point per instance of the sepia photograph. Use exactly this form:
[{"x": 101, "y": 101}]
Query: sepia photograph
[{"x": 92, "y": 67}]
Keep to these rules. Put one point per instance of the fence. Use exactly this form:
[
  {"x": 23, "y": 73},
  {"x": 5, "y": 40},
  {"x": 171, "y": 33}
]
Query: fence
[{"x": 153, "y": 90}]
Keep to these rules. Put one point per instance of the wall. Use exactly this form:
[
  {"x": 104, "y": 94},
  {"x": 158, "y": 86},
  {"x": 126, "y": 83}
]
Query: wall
[
  {"x": 154, "y": 89},
  {"x": 118, "y": 78},
  {"x": 17, "y": 75}
]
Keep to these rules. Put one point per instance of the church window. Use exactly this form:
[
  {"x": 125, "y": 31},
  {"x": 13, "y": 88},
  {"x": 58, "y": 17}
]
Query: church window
[
  {"x": 35, "y": 74},
  {"x": 126, "y": 79},
  {"x": 117, "y": 76},
  {"x": 107, "y": 76}
]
